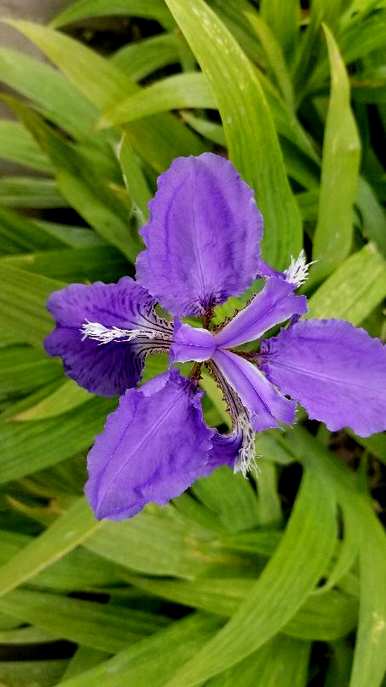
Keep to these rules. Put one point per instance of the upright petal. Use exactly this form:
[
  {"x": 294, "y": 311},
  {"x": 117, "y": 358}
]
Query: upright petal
[
  {"x": 336, "y": 371},
  {"x": 105, "y": 368},
  {"x": 266, "y": 406},
  {"x": 274, "y": 304},
  {"x": 152, "y": 448},
  {"x": 191, "y": 343},
  {"x": 202, "y": 242}
]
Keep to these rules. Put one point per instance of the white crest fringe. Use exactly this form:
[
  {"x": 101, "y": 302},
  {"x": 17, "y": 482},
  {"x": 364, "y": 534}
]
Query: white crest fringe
[
  {"x": 297, "y": 272},
  {"x": 98, "y": 332}
]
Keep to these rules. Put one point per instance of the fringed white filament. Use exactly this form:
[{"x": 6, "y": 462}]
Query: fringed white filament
[
  {"x": 98, "y": 332},
  {"x": 246, "y": 459},
  {"x": 297, "y": 272}
]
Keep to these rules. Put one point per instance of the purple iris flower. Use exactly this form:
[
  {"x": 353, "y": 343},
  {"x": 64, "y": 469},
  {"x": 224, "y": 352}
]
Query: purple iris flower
[{"x": 202, "y": 246}]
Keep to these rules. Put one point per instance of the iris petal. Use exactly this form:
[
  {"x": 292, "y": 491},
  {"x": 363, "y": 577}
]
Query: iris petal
[
  {"x": 107, "y": 369},
  {"x": 202, "y": 242},
  {"x": 191, "y": 343},
  {"x": 274, "y": 304},
  {"x": 266, "y": 406},
  {"x": 152, "y": 448},
  {"x": 336, "y": 371}
]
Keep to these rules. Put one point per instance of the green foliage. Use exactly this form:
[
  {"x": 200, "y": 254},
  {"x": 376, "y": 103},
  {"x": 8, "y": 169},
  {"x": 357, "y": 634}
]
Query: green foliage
[{"x": 233, "y": 583}]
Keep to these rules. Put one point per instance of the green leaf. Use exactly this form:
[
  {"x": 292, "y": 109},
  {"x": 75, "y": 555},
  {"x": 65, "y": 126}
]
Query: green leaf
[
  {"x": 340, "y": 170},
  {"x": 210, "y": 130},
  {"x": 99, "y": 626},
  {"x": 23, "y": 298},
  {"x": 283, "y": 18},
  {"x": 270, "y": 447},
  {"x": 68, "y": 396},
  {"x": 274, "y": 55},
  {"x": 356, "y": 40},
  {"x": 81, "y": 184},
  {"x": 269, "y": 506},
  {"x": 77, "y": 570},
  {"x": 299, "y": 167},
  {"x": 139, "y": 665},
  {"x": 339, "y": 668},
  {"x": 84, "y": 659},
  {"x": 19, "y": 235},
  {"x": 26, "y": 635},
  {"x": 347, "y": 553},
  {"x": 31, "y": 673},
  {"x": 231, "y": 498},
  {"x": 323, "y": 617},
  {"x": 30, "y": 192},
  {"x": 134, "y": 179},
  {"x": 373, "y": 215},
  {"x": 282, "y": 662},
  {"x": 160, "y": 542},
  {"x": 157, "y": 140},
  {"x": 17, "y": 145},
  {"x": 74, "y": 264},
  {"x": 23, "y": 369},
  {"x": 141, "y": 58},
  {"x": 354, "y": 290},
  {"x": 376, "y": 444},
  {"x": 69, "y": 235},
  {"x": 248, "y": 126},
  {"x": 172, "y": 93},
  {"x": 14, "y": 407},
  {"x": 85, "y": 9},
  {"x": 370, "y": 651},
  {"x": 286, "y": 581},
  {"x": 7, "y": 623},
  {"x": 234, "y": 14},
  {"x": 56, "y": 97},
  {"x": 67, "y": 532},
  {"x": 31, "y": 446},
  {"x": 310, "y": 47}
]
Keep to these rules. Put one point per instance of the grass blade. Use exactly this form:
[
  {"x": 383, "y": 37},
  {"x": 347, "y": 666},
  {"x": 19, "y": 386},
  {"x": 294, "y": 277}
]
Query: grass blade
[
  {"x": 248, "y": 126},
  {"x": 23, "y": 298},
  {"x": 285, "y": 583},
  {"x": 173, "y": 93},
  {"x": 67, "y": 532},
  {"x": 340, "y": 170},
  {"x": 354, "y": 290},
  {"x": 85, "y": 9},
  {"x": 157, "y": 140}
]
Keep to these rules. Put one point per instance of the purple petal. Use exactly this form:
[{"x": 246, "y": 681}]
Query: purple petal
[
  {"x": 191, "y": 343},
  {"x": 239, "y": 445},
  {"x": 336, "y": 371},
  {"x": 225, "y": 448},
  {"x": 203, "y": 237},
  {"x": 106, "y": 369},
  {"x": 152, "y": 448},
  {"x": 274, "y": 304},
  {"x": 266, "y": 406}
]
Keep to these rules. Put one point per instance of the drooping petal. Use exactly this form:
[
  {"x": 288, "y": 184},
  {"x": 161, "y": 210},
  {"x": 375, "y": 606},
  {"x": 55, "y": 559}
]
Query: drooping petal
[
  {"x": 191, "y": 343},
  {"x": 84, "y": 313},
  {"x": 274, "y": 304},
  {"x": 266, "y": 406},
  {"x": 152, "y": 448},
  {"x": 336, "y": 371},
  {"x": 202, "y": 242},
  {"x": 239, "y": 444}
]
